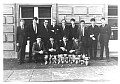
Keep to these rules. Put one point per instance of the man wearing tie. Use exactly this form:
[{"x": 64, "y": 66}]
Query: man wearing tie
[
  {"x": 82, "y": 36},
  {"x": 32, "y": 32},
  {"x": 64, "y": 30},
  {"x": 45, "y": 32},
  {"x": 21, "y": 41},
  {"x": 38, "y": 49},
  {"x": 92, "y": 35},
  {"x": 105, "y": 32}
]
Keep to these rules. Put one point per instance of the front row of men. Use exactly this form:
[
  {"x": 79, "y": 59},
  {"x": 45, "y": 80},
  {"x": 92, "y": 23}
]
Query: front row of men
[{"x": 62, "y": 39}]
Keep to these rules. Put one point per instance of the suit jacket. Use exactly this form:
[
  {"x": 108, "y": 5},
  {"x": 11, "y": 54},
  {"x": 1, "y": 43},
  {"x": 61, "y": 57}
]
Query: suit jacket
[
  {"x": 21, "y": 36},
  {"x": 73, "y": 31},
  {"x": 68, "y": 45},
  {"x": 90, "y": 31},
  {"x": 31, "y": 33},
  {"x": 49, "y": 46},
  {"x": 36, "y": 48},
  {"x": 45, "y": 33},
  {"x": 55, "y": 32},
  {"x": 80, "y": 34},
  {"x": 76, "y": 47},
  {"x": 65, "y": 32},
  {"x": 105, "y": 33}
]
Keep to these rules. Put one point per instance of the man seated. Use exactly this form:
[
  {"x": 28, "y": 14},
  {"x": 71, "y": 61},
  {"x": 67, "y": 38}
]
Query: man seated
[
  {"x": 38, "y": 49},
  {"x": 76, "y": 48},
  {"x": 52, "y": 49}
]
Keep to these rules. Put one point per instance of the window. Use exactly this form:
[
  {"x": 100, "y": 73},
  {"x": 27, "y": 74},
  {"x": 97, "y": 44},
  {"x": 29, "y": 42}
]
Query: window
[
  {"x": 27, "y": 13},
  {"x": 112, "y": 10}
]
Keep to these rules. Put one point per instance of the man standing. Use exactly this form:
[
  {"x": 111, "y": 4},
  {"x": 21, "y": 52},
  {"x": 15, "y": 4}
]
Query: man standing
[
  {"x": 82, "y": 36},
  {"x": 21, "y": 41},
  {"x": 55, "y": 31},
  {"x": 64, "y": 30},
  {"x": 105, "y": 32},
  {"x": 45, "y": 32},
  {"x": 92, "y": 35},
  {"x": 73, "y": 30},
  {"x": 32, "y": 32}
]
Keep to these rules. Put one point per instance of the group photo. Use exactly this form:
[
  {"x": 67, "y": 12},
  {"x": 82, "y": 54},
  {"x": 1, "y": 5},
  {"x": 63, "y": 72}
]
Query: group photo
[{"x": 55, "y": 42}]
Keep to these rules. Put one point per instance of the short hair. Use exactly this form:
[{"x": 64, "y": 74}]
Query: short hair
[
  {"x": 35, "y": 18},
  {"x": 39, "y": 36},
  {"x": 72, "y": 19},
  {"x": 82, "y": 21},
  {"x": 103, "y": 18},
  {"x": 93, "y": 19}
]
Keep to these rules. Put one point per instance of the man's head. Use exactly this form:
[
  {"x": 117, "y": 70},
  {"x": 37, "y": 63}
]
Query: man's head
[
  {"x": 46, "y": 22},
  {"x": 82, "y": 22},
  {"x": 64, "y": 38},
  {"x": 35, "y": 20},
  {"x": 39, "y": 39},
  {"x": 72, "y": 21},
  {"x": 63, "y": 21},
  {"x": 76, "y": 40},
  {"x": 103, "y": 20},
  {"x": 54, "y": 22},
  {"x": 22, "y": 22},
  {"x": 51, "y": 39},
  {"x": 92, "y": 21}
]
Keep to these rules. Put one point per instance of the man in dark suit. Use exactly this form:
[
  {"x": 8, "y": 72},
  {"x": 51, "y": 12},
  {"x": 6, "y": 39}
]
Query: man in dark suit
[
  {"x": 38, "y": 49},
  {"x": 77, "y": 47},
  {"x": 105, "y": 32},
  {"x": 65, "y": 46},
  {"x": 55, "y": 31},
  {"x": 73, "y": 30},
  {"x": 52, "y": 46},
  {"x": 64, "y": 30},
  {"x": 21, "y": 41},
  {"x": 45, "y": 32},
  {"x": 82, "y": 36},
  {"x": 92, "y": 35},
  {"x": 32, "y": 32}
]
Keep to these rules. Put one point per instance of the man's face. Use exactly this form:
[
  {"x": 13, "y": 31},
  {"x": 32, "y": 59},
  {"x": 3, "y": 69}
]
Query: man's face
[
  {"x": 92, "y": 22},
  {"x": 72, "y": 22},
  {"x": 63, "y": 22},
  {"x": 22, "y": 22},
  {"x": 64, "y": 39},
  {"x": 46, "y": 22},
  {"x": 76, "y": 40},
  {"x": 54, "y": 22},
  {"x": 82, "y": 23},
  {"x": 39, "y": 40},
  {"x": 103, "y": 21},
  {"x": 34, "y": 21},
  {"x": 52, "y": 39}
]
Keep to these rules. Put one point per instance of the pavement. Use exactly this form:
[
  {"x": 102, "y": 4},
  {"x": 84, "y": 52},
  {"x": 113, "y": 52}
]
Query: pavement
[{"x": 97, "y": 71}]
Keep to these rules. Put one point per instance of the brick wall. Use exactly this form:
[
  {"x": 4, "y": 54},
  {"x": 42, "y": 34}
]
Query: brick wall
[{"x": 9, "y": 30}]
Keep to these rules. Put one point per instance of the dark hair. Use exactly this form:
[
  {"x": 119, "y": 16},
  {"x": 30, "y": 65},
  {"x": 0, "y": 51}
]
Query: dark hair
[
  {"x": 72, "y": 19},
  {"x": 103, "y": 18},
  {"x": 82, "y": 21},
  {"x": 39, "y": 36},
  {"x": 93, "y": 19},
  {"x": 35, "y": 18}
]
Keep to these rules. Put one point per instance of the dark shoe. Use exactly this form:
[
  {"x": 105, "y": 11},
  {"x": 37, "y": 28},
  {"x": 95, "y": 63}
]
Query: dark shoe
[
  {"x": 108, "y": 60},
  {"x": 19, "y": 63},
  {"x": 101, "y": 58},
  {"x": 35, "y": 61}
]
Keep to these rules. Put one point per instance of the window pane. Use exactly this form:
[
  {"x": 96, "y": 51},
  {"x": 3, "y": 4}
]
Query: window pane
[
  {"x": 42, "y": 20},
  {"x": 115, "y": 35},
  {"x": 112, "y": 10},
  {"x": 113, "y": 22},
  {"x": 27, "y": 12},
  {"x": 44, "y": 12},
  {"x": 28, "y": 21}
]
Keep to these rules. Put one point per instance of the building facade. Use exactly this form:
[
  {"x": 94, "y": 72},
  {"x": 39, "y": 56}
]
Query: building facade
[{"x": 12, "y": 13}]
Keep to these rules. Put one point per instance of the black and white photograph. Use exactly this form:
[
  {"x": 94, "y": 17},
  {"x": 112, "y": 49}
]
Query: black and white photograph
[{"x": 60, "y": 41}]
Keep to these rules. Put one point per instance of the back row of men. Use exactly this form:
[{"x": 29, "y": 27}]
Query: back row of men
[{"x": 87, "y": 36}]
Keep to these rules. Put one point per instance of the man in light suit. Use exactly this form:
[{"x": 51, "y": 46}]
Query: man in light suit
[
  {"x": 21, "y": 41},
  {"x": 105, "y": 32},
  {"x": 32, "y": 32},
  {"x": 38, "y": 49}
]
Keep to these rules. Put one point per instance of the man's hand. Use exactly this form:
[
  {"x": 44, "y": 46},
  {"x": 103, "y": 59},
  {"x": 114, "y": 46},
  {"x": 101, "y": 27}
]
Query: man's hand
[
  {"x": 93, "y": 38},
  {"x": 71, "y": 51},
  {"x": 17, "y": 44},
  {"x": 63, "y": 48},
  {"x": 91, "y": 35},
  {"x": 41, "y": 52}
]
